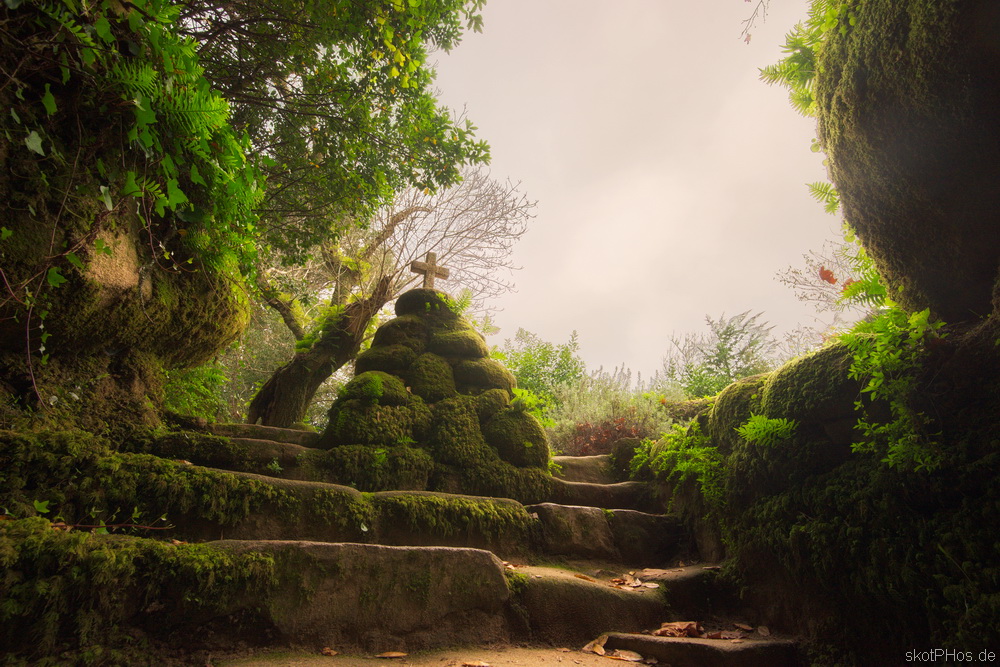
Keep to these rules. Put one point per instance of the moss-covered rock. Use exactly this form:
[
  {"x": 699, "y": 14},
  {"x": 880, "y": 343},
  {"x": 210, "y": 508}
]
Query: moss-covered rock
[
  {"x": 474, "y": 376},
  {"x": 371, "y": 468},
  {"x": 394, "y": 359},
  {"x": 359, "y": 422},
  {"x": 813, "y": 388},
  {"x": 490, "y": 403},
  {"x": 459, "y": 342},
  {"x": 455, "y": 436},
  {"x": 908, "y": 93},
  {"x": 376, "y": 387},
  {"x": 408, "y": 330},
  {"x": 518, "y": 438},
  {"x": 732, "y": 407},
  {"x": 430, "y": 377},
  {"x": 435, "y": 307}
]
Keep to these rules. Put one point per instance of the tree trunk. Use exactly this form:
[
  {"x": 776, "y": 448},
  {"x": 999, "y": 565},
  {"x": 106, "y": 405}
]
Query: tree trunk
[{"x": 284, "y": 398}]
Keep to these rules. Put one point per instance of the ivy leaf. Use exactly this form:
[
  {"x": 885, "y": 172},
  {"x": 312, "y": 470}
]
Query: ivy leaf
[
  {"x": 75, "y": 260},
  {"x": 175, "y": 195},
  {"x": 102, "y": 248},
  {"x": 131, "y": 187},
  {"x": 54, "y": 277},
  {"x": 41, "y": 506},
  {"x": 5, "y": 233},
  {"x": 196, "y": 176},
  {"x": 49, "y": 100},
  {"x": 34, "y": 143}
]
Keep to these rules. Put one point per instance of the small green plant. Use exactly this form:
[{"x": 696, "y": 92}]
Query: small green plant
[
  {"x": 767, "y": 432},
  {"x": 680, "y": 455},
  {"x": 274, "y": 467},
  {"x": 538, "y": 406},
  {"x": 888, "y": 353}
]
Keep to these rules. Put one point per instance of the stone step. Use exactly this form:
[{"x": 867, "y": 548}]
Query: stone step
[
  {"x": 695, "y": 652},
  {"x": 641, "y": 496},
  {"x": 625, "y": 536},
  {"x": 258, "y": 432},
  {"x": 594, "y": 469},
  {"x": 563, "y": 607}
]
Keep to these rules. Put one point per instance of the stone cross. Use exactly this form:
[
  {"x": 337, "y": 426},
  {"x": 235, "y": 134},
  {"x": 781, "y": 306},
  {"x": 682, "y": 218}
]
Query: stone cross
[{"x": 430, "y": 269}]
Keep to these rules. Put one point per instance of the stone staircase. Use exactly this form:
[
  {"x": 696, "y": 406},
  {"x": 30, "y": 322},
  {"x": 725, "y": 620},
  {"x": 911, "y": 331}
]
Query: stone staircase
[{"x": 411, "y": 570}]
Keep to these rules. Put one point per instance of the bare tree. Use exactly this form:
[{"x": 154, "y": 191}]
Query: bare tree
[{"x": 472, "y": 227}]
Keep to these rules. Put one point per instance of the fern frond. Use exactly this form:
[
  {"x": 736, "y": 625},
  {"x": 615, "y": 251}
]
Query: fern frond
[{"x": 826, "y": 194}]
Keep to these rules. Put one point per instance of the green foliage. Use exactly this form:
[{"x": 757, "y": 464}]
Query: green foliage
[
  {"x": 826, "y": 194},
  {"x": 196, "y": 392},
  {"x": 682, "y": 455},
  {"x": 767, "y": 432},
  {"x": 734, "y": 347},
  {"x": 535, "y": 405},
  {"x": 600, "y": 408},
  {"x": 797, "y": 70},
  {"x": 888, "y": 353},
  {"x": 539, "y": 366}
]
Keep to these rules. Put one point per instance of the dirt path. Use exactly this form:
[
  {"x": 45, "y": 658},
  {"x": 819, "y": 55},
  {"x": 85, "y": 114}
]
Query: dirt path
[{"x": 474, "y": 657}]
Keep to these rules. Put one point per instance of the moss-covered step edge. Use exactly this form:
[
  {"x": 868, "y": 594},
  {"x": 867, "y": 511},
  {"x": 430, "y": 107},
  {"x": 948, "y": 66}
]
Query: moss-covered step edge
[
  {"x": 73, "y": 477},
  {"x": 368, "y": 468},
  {"x": 640, "y": 496},
  {"x": 83, "y": 598},
  {"x": 257, "y": 432}
]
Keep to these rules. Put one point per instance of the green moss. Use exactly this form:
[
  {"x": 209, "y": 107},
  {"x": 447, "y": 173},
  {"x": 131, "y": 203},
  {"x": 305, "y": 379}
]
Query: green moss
[
  {"x": 463, "y": 342},
  {"x": 204, "y": 449},
  {"x": 408, "y": 330},
  {"x": 501, "y": 480},
  {"x": 77, "y": 595},
  {"x": 84, "y": 481},
  {"x": 456, "y": 515},
  {"x": 474, "y": 376},
  {"x": 812, "y": 388},
  {"x": 732, "y": 408},
  {"x": 431, "y": 378},
  {"x": 518, "y": 438},
  {"x": 432, "y": 306},
  {"x": 355, "y": 422},
  {"x": 490, "y": 403},
  {"x": 393, "y": 359},
  {"x": 370, "y": 468},
  {"x": 455, "y": 437},
  {"x": 376, "y": 387},
  {"x": 907, "y": 98}
]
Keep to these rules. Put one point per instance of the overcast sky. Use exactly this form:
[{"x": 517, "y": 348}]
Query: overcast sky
[{"x": 669, "y": 179}]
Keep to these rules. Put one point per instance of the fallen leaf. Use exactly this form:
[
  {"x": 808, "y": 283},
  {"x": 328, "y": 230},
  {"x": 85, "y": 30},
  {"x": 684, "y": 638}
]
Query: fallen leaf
[
  {"x": 651, "y": 661},
  {"x": 585, "y": 577},
  {"x": 628, "y": 656},
  {"x": 651, "y": 584},
  {"x": 477, "y": 663},
  {"x": 744, "y": 626},
  {"x": 724, "y": 634},
  {"x": 679, "y": 629},
  {"x": 764, "y": 631},
  {"x": 736, "y": 641},
  {"x": 563, "y": 650},
  {"x": 712, "y": 567},
  {"x": 176, "y": 542},
  {"x": 596, "y": 646},
  {"x": 328, "y": 651},
  {"x": 391, "y": 654}
]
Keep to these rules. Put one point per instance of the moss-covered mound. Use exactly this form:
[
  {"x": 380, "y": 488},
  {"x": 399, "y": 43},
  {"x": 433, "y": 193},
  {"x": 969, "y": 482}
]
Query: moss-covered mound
[
  {"x": 909, "y": 99},
  {"x": 427, "y": 385},
  {"x": 865, "y": 558}
]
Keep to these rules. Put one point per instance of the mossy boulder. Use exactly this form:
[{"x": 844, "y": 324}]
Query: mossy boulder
[
  {"x": 408, "y": 330},
  {"x": 732, "y": 408},
  {"x": 474, "y": 376},
  {"x": 393, "y": 359},
  {"x": 360, "y": 422},
  {"x": 459, "y": 343},
  {"x": 430, "y": 377},
  {"x": 813, "y": 388},
  {"x": 518, "y": 438},
  {"x": 376, "y": 387},
  {"x": 909, "y": 111},
  {"x": 433, "y": 306},
  {"x": 491, "y": 402}
]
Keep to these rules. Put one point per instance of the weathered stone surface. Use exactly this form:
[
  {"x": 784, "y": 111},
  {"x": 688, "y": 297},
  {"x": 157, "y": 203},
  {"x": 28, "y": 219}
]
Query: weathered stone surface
[
  {"x": 640, "y": 496},
  {"x": 643, "y": 538},
  {"x": 380, "y": 598},
  {"x": 575, "y": 531},
  {"x": 564, "y": 609},
  {"x": 592, "y": 469},
  {"x": 908, "y": 99},
  {"x": 691, "y": 652}
]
